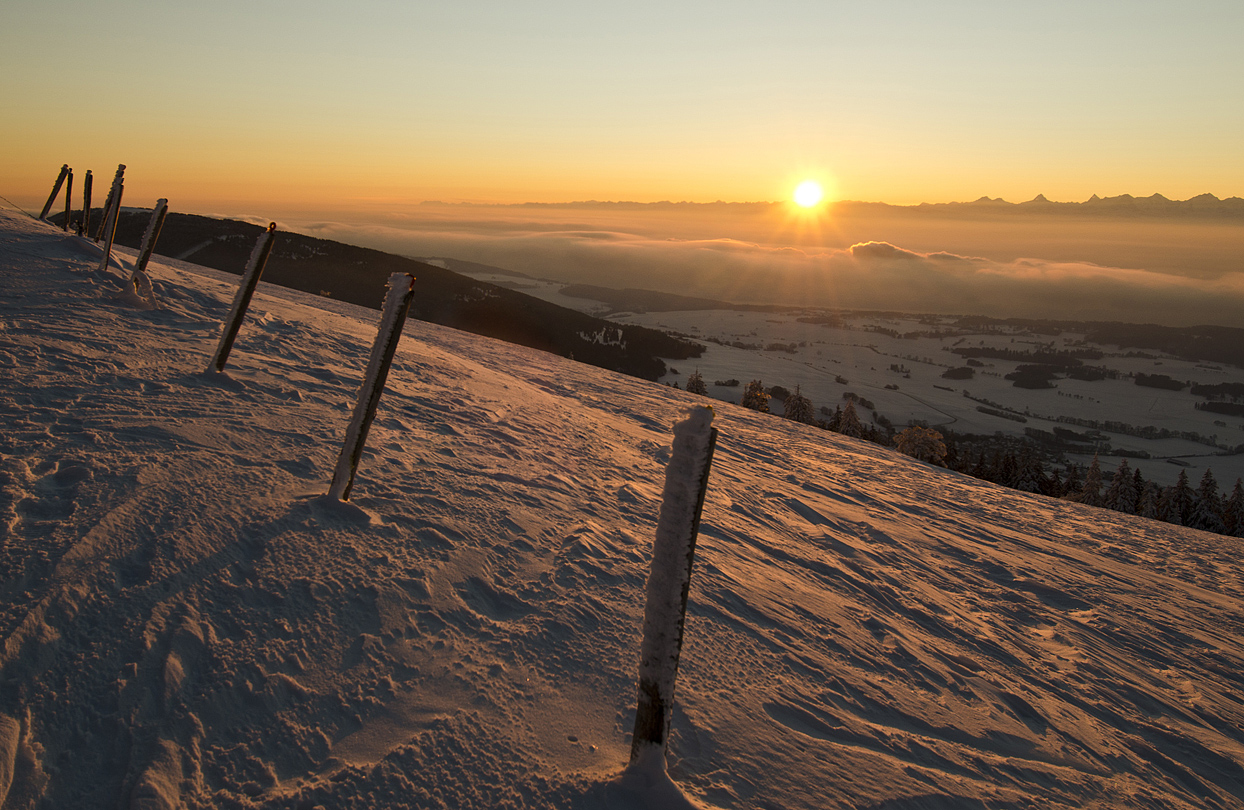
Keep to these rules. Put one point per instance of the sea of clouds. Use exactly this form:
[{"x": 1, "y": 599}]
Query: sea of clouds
[{"x": 749, "y": 256}]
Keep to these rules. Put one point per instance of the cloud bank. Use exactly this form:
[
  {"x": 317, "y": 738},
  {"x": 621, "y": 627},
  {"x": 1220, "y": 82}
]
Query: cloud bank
[{"x": 871, "y": 274}]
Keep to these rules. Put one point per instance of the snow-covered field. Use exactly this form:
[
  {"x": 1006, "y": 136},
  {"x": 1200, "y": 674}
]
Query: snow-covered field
[
  {"x": 864, "y": 357},
  {"x": 187, "y": 622}
]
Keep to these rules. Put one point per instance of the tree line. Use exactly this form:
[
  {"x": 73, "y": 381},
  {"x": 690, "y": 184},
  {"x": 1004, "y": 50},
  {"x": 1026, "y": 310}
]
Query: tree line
[{"x": 1123, "y": 490}]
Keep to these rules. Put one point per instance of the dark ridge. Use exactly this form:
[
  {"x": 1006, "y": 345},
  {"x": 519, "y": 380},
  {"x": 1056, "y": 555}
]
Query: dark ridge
[
  {"x": 359, "y": 275},
  {"x": 1216, "y": 344}
]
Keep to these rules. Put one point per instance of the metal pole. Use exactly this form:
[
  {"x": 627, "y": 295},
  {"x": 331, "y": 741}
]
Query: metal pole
[
  {"x": 151, "y": 235},
  {"x": 84, "y": 227},
  {"x": 669, "y": 582},
  {"x": 60, "y": 180},
  {"x": 110, "y": 226},
  {"x": 68, "y": 201},
  {"x": 242, "y": 300},
  {"x": 396, "y": 304}
]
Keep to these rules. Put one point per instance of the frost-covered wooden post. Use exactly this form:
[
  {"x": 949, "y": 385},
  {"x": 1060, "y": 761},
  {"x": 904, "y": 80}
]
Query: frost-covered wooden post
[
  {"x": 151, "y": 235},
  {"x": 241, "y": 301},
  {"x": 110, "y": 225},
  {"x": 60, "y": 181},
  {"x": 68, "y": 201},
  {"x": 673, "y": 551},
  {"x": 84, "y": 227},
  {"x": 396, "y": 303},
  {"x": 111, "y": 201},
  {"x": 139, "y": 281}
]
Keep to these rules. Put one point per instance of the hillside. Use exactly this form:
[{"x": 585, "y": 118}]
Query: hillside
[
  {"x": 187, "y": 623},
  {"x": 357, "y": 275}
]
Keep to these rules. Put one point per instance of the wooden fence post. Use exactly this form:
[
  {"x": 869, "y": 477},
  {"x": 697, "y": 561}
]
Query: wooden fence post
[
  {"x": 84, "y": 226},
  {"x": 396, "y": 304},
  {"x": 68, "y": 201},
  {"x": 110, "y": 226},
  {"x": 117, "y": 179},
  {"x": 665, "y": 612},
  {"x": 242, "y": 300},
  {"x": 60, "y": 181},
  {"x": 151, "y": 235}
]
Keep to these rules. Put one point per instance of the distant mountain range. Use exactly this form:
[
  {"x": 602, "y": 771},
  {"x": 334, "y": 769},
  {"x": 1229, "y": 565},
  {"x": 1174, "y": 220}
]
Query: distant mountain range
[
  {"x": 1204, "y": 205},
  {"x": 359, "y": 275},
  {"x": 1123, "y": 205}
]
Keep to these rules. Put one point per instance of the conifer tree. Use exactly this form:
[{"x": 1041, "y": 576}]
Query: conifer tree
[
  {"x": 1028, "y": 473},
  {"x": 1150, "y": 496},
  {"x": 1008, "y": 473},
  {"x": 1233, "y": 511},
  {"x": 835, "y": 421},
  {"x": 695, "y": 384},
  {"x": 1121, "y": 495},
  {"x": 1054, "y": 484},
  {"x": 1090, "y": 493},
  {"x": 1207, "y": 511},
  {"x": 1176, "y": 503},
  {"x": 755, "y": 397},
  {"x": 1184, "y": 497},
  {"x": 849, "y": 423},
  {"x": 1073, "y": 485},
  {"x": 798, "y": 408}
]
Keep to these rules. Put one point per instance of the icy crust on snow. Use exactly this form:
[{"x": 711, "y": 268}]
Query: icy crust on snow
[{"x": 182, "y": 623}]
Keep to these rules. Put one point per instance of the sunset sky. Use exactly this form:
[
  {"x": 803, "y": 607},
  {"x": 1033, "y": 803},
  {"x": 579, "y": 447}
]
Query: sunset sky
[{"x": 231, "y": 106}]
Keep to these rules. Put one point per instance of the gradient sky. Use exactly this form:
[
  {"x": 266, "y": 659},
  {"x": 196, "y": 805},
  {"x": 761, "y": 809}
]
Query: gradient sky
[{"x": 226, "y": 106}]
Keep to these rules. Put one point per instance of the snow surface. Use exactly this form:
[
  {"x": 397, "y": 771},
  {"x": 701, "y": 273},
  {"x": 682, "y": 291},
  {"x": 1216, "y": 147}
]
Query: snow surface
[{"x": 188, "y": 622}]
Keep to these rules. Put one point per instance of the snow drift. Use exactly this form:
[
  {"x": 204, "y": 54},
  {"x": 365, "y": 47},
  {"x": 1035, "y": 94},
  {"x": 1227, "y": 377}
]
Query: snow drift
[{"x": 187, "y": 623}]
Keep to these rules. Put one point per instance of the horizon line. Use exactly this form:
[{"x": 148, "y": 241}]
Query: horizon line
[{"x": 1039, "y": 199}]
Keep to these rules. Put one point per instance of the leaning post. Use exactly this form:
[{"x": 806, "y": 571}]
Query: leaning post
[
  {"x": 68, "y": 201},
  {"x": 60, "y": 181},
  {"x": 110, "y": 226},
  {"x": 242, "y": 300},
  {"x": 84, "y": 227},
  {"x": 396, "y": 304},
  {"x": 111, "y": 200},
  {"x": 103, "y": 213},
  {"x": 665, "y": 613},
  {"x": 151, "y": 235}
]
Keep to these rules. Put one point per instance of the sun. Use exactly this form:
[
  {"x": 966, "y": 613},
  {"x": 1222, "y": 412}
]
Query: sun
[{"x": 808, "y": 193}]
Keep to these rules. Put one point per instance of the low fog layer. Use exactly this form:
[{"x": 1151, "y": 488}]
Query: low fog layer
[{"x": 1153, "y": 270}]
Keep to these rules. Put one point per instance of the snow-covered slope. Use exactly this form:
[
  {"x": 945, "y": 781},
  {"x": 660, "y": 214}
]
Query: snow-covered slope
[{"x": 186, "y": 623}]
